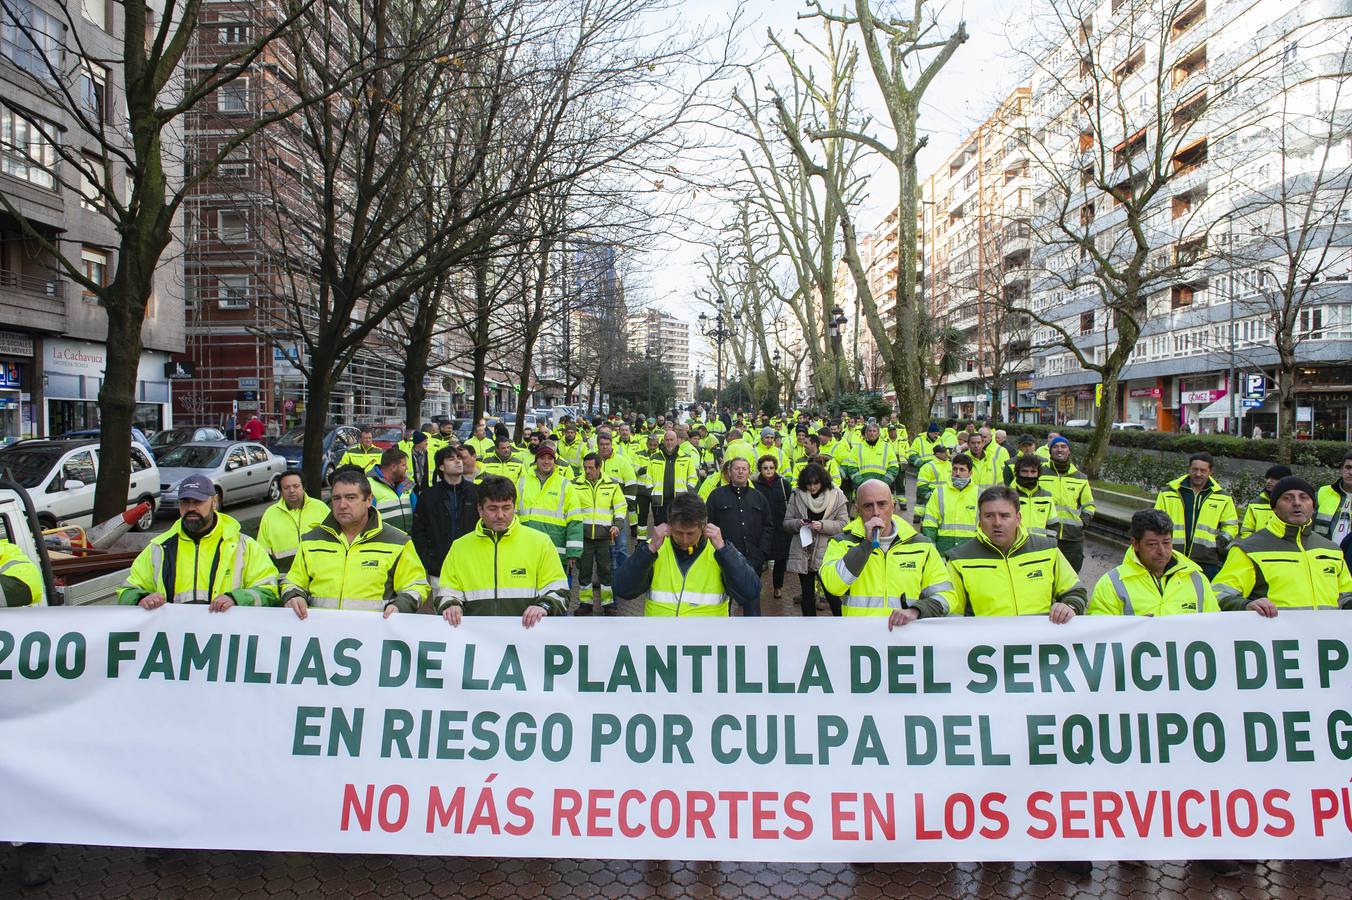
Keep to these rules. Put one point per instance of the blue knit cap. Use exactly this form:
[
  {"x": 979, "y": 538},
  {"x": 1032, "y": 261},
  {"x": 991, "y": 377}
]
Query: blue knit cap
[{"x": 1058, "y": 440}]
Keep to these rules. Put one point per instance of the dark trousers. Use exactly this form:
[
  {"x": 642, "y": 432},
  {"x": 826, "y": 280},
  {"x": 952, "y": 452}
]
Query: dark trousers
[
  {"x": 1073, "y": 552},
  {"x": 781, "y": 551},
  {"x": 808, "y": 601},
  {"x": 595, "y": 559}
]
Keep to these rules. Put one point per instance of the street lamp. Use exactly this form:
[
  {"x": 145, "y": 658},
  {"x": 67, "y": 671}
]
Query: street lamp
[
  {"x": 778, "y": 372},
  {"x": 712, "y": 327},
  {"x": 834, "y": 324}
]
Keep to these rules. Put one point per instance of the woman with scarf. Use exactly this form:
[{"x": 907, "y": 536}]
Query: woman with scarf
[{"x": 821, "y": 508}]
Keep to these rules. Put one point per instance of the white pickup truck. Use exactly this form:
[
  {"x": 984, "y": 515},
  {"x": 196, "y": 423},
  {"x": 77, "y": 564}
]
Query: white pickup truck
[{"x": 19, "y": 525}]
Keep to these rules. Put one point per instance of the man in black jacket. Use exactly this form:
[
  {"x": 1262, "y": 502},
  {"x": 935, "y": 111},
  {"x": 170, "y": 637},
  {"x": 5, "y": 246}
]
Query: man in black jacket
[
  {"x": 743, "y": 516},
  {"x": 447, "y": 510}
]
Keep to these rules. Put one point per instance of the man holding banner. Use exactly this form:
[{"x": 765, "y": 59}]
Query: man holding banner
[
  {"x": 880, "y": 566},
  {"x": 1005, "y": 571},
  {"x": 686, "y": 567},
  {"x": 1286, "y": 564},
  {"x": 503, "y": 567}
]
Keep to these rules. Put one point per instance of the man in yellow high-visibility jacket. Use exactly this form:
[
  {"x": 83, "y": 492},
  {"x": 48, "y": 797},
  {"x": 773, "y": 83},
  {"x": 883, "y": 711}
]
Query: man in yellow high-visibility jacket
[
  {"x": 1287, "y": 564},
  {"x": 1203, "y": 513},
  {"x": 1154, "y": 579},
  {"x": 600, "y": 507},
  {"x": 20, "y": 578},
  {"x": 1075, "y": 506},
  {"x": 1005, "y": 571},
  {"x": 286, "y": 521},
  {"x": 1333, "y": 505},
  {"x": 204, "y": 558},
  {"x": 686, "y": 567},
  {"x": 364, "y": 455},
  {"x": 879, "y": 566},
  {"x": 354, "y": 561},
  {"x": 950, "y": 513},
  {"x": 502, "y": 567}
]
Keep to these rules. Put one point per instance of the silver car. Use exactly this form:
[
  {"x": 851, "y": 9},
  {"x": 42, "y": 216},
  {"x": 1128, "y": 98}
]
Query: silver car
[{"x": 241, "y": 470}]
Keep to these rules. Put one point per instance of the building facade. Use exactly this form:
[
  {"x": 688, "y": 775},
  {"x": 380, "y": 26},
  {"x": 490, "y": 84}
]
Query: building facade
[
  {"x": 1227, "y": 99},
  {"x": 667, "y": 337},
  {"x": 52, "y": 331}
]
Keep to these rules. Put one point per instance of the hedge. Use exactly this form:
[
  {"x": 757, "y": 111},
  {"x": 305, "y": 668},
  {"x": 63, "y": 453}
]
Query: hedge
[{"x": 1304, "y": 453}]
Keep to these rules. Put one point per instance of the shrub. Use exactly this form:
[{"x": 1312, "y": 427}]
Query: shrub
[{"x": 1304, "y": 453}]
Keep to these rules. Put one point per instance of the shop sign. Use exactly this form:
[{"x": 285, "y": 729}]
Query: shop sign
[
  {"x": 1255, "y": 386},
  {"x": 1144, "y": 392},
  {"x": 248, "y": 384},
  {"x": 75, "y": 357},
  {"x": 15, "y": 344},
  {"x": 1194, "y": 397},
  {"x": 177, "y": 370}
]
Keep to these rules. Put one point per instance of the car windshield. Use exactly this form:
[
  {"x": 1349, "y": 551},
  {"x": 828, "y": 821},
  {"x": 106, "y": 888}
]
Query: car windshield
[
  {"x": 293, "y": 438},
  {"x": 168, "y": 437},
  {"x": 192, "y": 456},
  {"x": 389, "y": 434},
  {"x": 29, "y": 467}
]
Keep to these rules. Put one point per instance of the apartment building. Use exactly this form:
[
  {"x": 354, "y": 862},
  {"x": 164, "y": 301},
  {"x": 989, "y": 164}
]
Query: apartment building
[
  {"x": 662, "y": 334},
  {"x": 52, "y": 331},
  {"x": 1231, "y": 110},
  {"x": 973, "y": 249}
]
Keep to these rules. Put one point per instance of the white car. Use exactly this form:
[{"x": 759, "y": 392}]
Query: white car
[
  {"x": 60, "y": 476},
  {"x": 1128, "y": 426}
]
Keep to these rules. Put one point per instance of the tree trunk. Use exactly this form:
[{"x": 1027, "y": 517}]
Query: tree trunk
[
  {"x": 117, "y": 399},
  {"x": 414, "y": 371},
  {"x": 316, "y": 420},
  {"x": 1286, "y": 411},
  {"x": 1103, "y": 422},
  {"x": 480, "y": 350}
]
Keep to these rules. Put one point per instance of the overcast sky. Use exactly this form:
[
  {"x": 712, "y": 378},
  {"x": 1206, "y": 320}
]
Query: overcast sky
[{"x": 981, "y": 73}]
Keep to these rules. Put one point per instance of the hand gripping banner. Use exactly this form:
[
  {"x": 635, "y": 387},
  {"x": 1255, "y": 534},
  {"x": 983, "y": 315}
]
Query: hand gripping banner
[{"x": 1220, "y": 735}]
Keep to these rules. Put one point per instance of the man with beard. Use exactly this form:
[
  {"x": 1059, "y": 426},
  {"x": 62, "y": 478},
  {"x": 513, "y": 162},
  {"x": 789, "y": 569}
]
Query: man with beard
[{"x": 204, "y": 558}]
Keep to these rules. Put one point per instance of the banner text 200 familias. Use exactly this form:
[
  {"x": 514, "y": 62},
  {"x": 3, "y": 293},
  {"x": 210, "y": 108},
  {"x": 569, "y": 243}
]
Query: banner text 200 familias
[{"x": 1221, "y": 735}]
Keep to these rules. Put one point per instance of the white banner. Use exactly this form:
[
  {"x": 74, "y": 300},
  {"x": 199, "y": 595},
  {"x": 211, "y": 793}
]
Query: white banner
[{"x": 1221, "y": 735}]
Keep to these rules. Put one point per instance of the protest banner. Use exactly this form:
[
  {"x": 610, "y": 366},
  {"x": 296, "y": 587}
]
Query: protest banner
[{"x": 1202, "y": 736}]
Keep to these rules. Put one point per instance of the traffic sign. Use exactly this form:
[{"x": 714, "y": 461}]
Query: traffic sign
[{"x": 1252, "y": 403}]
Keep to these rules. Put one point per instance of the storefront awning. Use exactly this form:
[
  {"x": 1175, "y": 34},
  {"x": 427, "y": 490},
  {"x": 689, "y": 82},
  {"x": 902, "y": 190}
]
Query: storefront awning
[{"x": 1220, "y": 408}]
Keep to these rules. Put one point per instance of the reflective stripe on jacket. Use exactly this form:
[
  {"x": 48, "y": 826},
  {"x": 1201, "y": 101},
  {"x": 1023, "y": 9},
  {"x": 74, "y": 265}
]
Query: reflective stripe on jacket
[
  {"x": 1074, "y": 501},
  {"x": 873, "y": 581},
  {"x": 1025, "y": 581},
  {"x": 1294, "y": 567},
  {"x": 380, "y": 567},
  {"x": 184, "y": 570},
  {"x": 950, "y": 515},
  {"x": 1133, "y": 590}
]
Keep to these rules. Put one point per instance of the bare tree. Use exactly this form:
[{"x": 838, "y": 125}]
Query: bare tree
[
  {"x": 904, "y": 55},
  {"x": 126, "y": 159},
  {"x": 1123, "y": 122}
]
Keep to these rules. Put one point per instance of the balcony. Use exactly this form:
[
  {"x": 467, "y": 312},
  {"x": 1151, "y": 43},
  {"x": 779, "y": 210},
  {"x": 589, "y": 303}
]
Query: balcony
[
  {"x": 1017, "y": 275},
  {"x": 36, "y": 303}
]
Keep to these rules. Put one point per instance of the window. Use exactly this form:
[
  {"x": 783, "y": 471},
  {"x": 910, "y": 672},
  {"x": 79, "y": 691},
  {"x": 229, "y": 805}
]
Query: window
[
  {"x": 1087, "y": 322},
  {"x": 232, "y": 227},
  {"x": 93, "y": 90},
  {"x": 91, "y": 180},
  {"x": 1190, "y": 65},
  {"x": 233, "y": 291},
  {"x": 232, "y": 33},
  {"x": 80, "y": 467},
  {"x": 1129, "y": 66},
  {"x": 236, "y": 165},
  {"x": 1289, "y": 53},
  {"x": 1180, "y": 296},
  {"x": 139, "y": 462},
  {"x": 1124, "y": 152},
  {"x": 1186, "y": 253},
  {"x": 257, "y": 455},
  {"x": 95, "y": 264},
  {"x": 32, "y": 39},
  {"x": 26, "y": 149},
  {"x": 237, "y": 459},
  {"x": 1190, "y": 158},
  {"x": 95, "y": 11},
  {"x": 1190, "y": 110},
  {"x": 1312, "y": 323},
  {"x": 233, "y": 97},
  {"x": 1188, "y": 19}
]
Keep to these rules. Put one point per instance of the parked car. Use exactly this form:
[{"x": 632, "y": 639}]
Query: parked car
[
  {"x": 1128, "y": 426},
  {"x": 60, "y": 476},
  {"x": 86, "y": 434},
  {"x": 241, "y": 470},
  {"x": 1078, "y": 423},
  {"x": 388, "y": 435},
  {"x": 336, "y": 442},
  {"x": 163, "y": 441}
]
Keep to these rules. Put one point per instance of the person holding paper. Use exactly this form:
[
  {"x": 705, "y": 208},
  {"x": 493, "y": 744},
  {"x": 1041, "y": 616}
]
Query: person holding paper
[{"x": 817, "y": 511}]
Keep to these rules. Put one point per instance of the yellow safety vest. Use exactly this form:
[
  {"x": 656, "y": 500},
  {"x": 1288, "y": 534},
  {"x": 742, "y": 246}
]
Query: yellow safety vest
[
  {"x": 698, "y": 591},
  {"x": 380, "y": 567},
  {"x": 910, "y": 569},
  {"x": 281, "y": 528},
  {"x": 1132, "y": 590}
]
